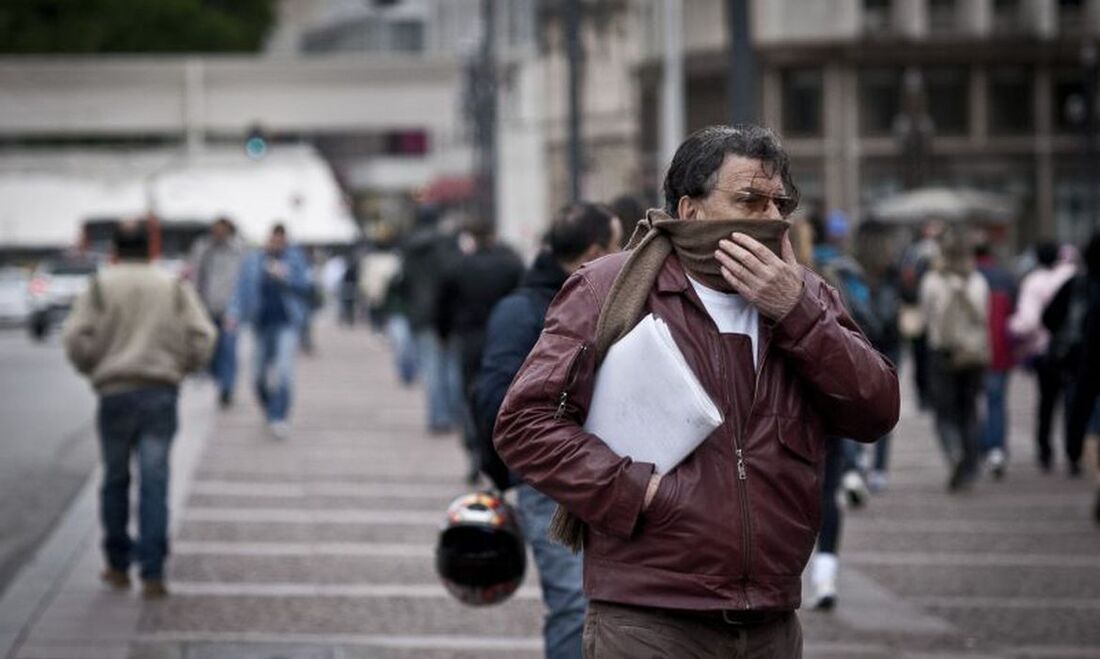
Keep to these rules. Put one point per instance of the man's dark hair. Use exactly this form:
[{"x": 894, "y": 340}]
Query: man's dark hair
[
  {"x": 576, "y": 228},
  {"x": 278, "y": 230},
  {"x": 227, "y": 223},
  {"x": 131, "y": 240},
  {"x": 1047, "y": 253},
  {"x": 694, "y": 169},
  {"x": 629, "y": 209}
]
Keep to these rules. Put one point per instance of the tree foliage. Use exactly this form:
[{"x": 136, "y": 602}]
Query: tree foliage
[{"x": 133, "y": 26}]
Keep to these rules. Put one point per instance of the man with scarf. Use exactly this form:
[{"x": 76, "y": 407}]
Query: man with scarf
[{"x": 705, "y": 559}]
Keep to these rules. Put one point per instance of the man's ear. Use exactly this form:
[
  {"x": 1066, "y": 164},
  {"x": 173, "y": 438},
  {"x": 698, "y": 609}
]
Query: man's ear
[{"x": 686, "y": 208}]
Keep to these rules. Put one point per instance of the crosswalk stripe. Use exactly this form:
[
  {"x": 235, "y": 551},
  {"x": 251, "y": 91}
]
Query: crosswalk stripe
[
  {"x": 360, "y": 590},
  {"x": 388, "y": 550},
  {"x": 309, "y": 516},
  {"x": 322, "y": 489}
]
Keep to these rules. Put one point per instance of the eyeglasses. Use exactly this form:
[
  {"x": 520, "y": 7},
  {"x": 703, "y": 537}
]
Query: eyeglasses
[{"x": 757, "y": 201}]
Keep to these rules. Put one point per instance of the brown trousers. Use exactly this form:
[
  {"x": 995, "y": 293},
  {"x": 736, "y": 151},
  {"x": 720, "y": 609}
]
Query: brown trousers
[{"x": 615, "y": 631}]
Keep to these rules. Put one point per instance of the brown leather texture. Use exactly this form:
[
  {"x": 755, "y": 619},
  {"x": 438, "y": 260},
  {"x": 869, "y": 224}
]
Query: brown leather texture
[{"x": 710, "y": 539}]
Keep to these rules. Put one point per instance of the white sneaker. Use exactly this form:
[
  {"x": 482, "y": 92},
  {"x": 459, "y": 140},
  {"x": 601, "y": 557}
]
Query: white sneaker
[
  {"x": 855, "y": 488},
  {"x": 877, "y": 482},
  {"x": 823, "y": 580},
  {"x": 279, "y": 429},
  {"x": 997, "y": 461}
]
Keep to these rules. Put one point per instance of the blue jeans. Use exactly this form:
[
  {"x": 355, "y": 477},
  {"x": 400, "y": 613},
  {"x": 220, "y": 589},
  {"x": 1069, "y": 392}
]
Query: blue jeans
[
  {"x": 442, "y": 379},
  {"x": 274, "y": 372},
  {"x": 996, "y": 389},
  {"x": 560, "y": 572},
  {"x": 223, "y": 366},
  {"x": 142, "y": 421},
  {"x": 404, "y": 348}
]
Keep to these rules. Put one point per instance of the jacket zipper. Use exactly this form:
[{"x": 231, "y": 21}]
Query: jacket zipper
[
  {"x": 571, "y": 379},
  {"x": 742, "y": 477}
]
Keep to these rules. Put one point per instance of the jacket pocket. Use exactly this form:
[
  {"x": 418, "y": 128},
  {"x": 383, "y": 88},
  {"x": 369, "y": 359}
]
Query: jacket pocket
[
  {"x": 799, "y": 437},
  {"x": 559, "y": 362}
]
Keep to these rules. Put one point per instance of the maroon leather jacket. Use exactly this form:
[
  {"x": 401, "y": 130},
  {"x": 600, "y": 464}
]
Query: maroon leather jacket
[{"x": 732, "y": 526}]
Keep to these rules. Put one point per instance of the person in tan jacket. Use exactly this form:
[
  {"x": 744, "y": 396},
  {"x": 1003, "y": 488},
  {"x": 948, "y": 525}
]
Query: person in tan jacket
[{"x": 135, "y": 333}]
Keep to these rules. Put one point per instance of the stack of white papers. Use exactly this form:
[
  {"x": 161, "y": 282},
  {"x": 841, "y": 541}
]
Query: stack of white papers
[{"x": 647, "y": 403}]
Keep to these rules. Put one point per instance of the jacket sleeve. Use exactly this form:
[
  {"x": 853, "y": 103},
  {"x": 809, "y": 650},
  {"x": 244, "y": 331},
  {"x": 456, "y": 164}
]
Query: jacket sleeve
[
  {"x": 240, "y": 305},
  {"x": 852, "y": 387},
  {"x": 83, "y": 334},
  {"x": 512, "y": 331},
  {"x": 539, "y": 432},
  {"x": 199, "y": 332}
]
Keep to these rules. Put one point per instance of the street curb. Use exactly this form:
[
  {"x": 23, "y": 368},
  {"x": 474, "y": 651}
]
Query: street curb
[{"x": 37, "y": 584}]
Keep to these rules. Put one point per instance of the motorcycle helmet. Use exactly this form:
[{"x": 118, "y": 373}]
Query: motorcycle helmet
[{"x": 480, "y": 554}]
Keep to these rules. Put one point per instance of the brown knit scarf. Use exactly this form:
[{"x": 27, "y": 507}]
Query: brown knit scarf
[{"x": 655, "y": 237}]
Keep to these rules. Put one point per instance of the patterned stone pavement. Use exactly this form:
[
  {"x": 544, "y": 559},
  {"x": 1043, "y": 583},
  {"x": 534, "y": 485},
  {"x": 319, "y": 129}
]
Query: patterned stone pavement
[{"x": 321, "y": 546}]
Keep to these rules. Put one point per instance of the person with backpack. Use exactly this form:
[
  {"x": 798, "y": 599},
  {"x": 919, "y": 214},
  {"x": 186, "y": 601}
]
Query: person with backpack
[
  {"x": 135, "y": 333},
  {"x": 954, "y": 298},
  {"x": 580, "y": 233}
]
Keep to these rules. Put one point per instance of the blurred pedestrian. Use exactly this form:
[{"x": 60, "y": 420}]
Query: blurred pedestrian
[
  {"x": 469, "y": 289},
  {"x": 1037, "y": 289},
  {"x": 135, "y": 332},
  {"x": 273, "y": 294},
  {"x": 425, "y": 256},
  {"x": 580, "y": 233},
  {"x": 630, "y": 209},
  {"x": 1073, "y": 320},
  {"x": 679, "y": 563},
  {"x": 870, "y": 295},
  {"x": 916, "y": 260},
  {"x": 215, "y": 266},
  {"x": 954, "y": 299},
  {"x": 314, "y": 297},
  {"x": 349, "y": 289},
  {"x": 1002, "y": 301}
]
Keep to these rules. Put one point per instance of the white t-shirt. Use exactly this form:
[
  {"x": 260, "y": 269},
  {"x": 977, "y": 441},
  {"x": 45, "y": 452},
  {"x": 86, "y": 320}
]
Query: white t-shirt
[{"x": 732, "y": 314}]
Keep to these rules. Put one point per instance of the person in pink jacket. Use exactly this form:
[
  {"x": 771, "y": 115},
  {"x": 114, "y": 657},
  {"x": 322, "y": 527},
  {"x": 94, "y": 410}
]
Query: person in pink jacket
[{"x": 1037, "y": 289}]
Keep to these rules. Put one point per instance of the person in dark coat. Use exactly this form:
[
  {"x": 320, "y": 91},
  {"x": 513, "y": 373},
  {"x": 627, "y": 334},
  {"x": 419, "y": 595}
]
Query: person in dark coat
[
  {"x": 469, "y": 289},
  {"x": 580, "y": 233},
  {"x": 1073, "y": 318},
  {"x": 424, "y": 256}
]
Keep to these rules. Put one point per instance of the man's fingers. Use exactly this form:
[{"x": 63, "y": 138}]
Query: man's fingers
[
  {"x": 756, "y": 247},
  {"x": 787, "y": 248},
  {"x": 743, "y": 255},
  {"x": 736, "y": 267}
]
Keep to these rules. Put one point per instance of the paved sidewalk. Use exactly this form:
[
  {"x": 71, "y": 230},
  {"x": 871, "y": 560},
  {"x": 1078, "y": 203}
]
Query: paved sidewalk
[{"x": 321, "y": 546}]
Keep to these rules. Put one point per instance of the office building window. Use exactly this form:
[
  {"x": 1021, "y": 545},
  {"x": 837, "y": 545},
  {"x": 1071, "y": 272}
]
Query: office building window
[
  {"x": 803, "y": 91},
  {"x": 1068, "y": 104},
  {"x": 1071, "y": 16},
  {"x": 877, "y": 17},
  {"x": 943, "y": 16},
  {"x": 948, "y": 92},
  {"x": 879, "y": 100},
  {"x": 1011, "y": 102},
  {"x": 1008, "y": 16}
]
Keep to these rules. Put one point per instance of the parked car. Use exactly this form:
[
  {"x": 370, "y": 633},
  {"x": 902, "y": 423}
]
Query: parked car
[
  {"x": 53, "y": 288},
  {"x": 14, "y": 304}
]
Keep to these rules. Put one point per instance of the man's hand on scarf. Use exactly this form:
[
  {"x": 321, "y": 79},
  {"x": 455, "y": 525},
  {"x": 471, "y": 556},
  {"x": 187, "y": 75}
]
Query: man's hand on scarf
[{"x": 771, "y": 284}]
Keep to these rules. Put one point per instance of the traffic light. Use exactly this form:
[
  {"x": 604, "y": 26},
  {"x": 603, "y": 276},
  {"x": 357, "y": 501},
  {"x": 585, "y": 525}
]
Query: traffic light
[{"x": 255, "y": 143}]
